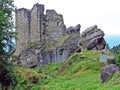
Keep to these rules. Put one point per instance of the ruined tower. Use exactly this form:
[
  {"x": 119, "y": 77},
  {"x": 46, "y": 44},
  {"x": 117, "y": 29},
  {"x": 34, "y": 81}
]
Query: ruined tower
[
  {"x": 23, "y": 29},
  {"x": 43, "y": 37},
  {"x": 34, "y": 26},
  {"x": 54, "y": 25}
]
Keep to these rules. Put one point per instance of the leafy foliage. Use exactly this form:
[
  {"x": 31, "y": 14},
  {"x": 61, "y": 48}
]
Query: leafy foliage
[
  {"x": 116, "y": 51},
  {"x": 6, "y": 26},
  {"x": 118, "y": 58},
  {"x": 7, "y": 77},
  {"x": 107, "y": 46}
]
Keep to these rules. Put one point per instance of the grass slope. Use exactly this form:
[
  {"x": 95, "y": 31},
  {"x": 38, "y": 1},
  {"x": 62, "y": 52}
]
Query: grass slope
[{"x": 81, "y": 71}]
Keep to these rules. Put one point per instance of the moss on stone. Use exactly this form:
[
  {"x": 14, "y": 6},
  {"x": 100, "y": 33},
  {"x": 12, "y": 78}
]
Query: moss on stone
[
  {"x": 32, "y": 44},
  {"x": 61, "y": 40}
]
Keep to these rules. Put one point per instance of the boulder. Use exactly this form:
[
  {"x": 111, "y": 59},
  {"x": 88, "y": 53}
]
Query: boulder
[
  {"x": 28, "y": 58},
  {"x": 105, "y": 51},
  {"x": 111, "y": 60},
  {"x": 103, "y": 58},
  {"x": 73, "y": 30},
  {"x": 92, "y": 43},
  {"x": 108, "y": 71},
  {"x": 92, "y": 38},
  {"x": 107, "y": 59}
]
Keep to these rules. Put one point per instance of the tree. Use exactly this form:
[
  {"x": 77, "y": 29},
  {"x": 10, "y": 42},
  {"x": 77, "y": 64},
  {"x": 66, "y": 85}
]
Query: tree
[
  {"x": 6, "y": 26},
  {"x": 7, "y": 77},
  {"x": 107, "y": 46},
  {"x": 116, "y": 51},
  {"x": 118, "y": 58}
]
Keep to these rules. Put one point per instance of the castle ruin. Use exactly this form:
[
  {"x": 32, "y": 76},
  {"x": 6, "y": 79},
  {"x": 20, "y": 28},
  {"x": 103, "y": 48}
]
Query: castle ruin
[
  {"x": 43, "y": 37},
  {"x": 34, "y": 26}
]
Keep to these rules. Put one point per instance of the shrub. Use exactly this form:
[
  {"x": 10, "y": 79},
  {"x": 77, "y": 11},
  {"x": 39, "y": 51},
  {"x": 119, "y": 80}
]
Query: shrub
[
  {"x": 118, "y": 59},
  {"x": 7, "y": 77}
]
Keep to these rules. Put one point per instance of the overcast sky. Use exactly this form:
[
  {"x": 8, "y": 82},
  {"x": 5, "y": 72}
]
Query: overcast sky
[{"x": 104, "y": 13}]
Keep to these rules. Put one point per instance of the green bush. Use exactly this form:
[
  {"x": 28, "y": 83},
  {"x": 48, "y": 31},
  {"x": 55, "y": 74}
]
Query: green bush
[
  {"x": 118, "y": 59},
  {"x": 7, "y": 77}
]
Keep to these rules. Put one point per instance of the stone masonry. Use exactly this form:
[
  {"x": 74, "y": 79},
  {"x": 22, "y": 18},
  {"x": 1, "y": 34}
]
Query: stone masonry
[
  {"x": 23, "y": 28},
  {"x": 37, "y": 23},
  {"x": 34, "y": 26}
]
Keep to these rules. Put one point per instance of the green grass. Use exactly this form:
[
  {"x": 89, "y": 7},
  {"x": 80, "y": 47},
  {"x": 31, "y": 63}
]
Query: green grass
[{"x": 81, "y": 71}]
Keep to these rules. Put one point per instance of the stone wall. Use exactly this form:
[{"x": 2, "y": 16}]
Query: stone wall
[
  {"x": 54, "y": 25},
  {"x": 34, "y": 26},
  {"x": 23, "y": 29}
]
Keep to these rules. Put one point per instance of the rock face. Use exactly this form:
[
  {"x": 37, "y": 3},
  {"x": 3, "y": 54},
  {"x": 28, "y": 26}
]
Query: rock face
[
  {"x": 92, "y": 38},
  {"x": 37, "y": 56},
  {"x": 28, "y": 58},
  {"x": 108, "y": 71}
]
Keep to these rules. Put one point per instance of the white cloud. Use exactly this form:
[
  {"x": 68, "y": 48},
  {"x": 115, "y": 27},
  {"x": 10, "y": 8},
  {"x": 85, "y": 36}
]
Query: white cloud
[{"x": 104, "y": 13}]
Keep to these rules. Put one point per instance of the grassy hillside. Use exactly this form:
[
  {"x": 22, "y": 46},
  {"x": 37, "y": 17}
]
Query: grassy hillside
[{"x": 81, "y": 71}]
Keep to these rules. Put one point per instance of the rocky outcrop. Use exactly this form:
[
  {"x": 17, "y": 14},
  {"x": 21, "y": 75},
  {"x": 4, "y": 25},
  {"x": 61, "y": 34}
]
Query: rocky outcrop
[
  {"x": 73, "y": 30},
  {"x": 38, "y": 56},
  {"x": 108, "y": 71},
  {"x": 43, "y": 37},
  {"x": 92, "y": 38},
  {"x": 28, "y": 58},
  {"x": 111, "y": 60}
]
